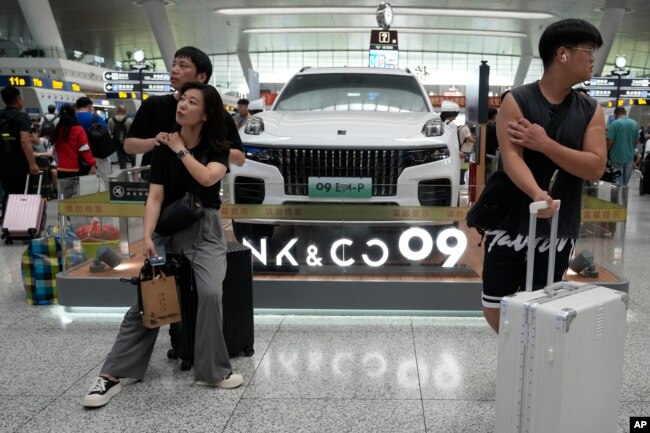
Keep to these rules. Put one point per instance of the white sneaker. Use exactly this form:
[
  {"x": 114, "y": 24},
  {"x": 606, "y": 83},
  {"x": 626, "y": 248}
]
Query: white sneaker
[
  {"x": 233, "y": 380},
  {"x": 101, "y": 392}
]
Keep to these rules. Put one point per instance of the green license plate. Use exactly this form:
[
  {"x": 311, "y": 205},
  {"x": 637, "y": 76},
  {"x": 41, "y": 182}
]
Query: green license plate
[{"x": 340, "y": 187}]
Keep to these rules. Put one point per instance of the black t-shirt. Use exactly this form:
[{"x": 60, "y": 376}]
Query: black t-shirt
[
  {"x": 158, "y": 114},
  {"x": 170, "y": 172},
  {"x": 18, "y": 122},
  {"x": 567, "y": 187}
]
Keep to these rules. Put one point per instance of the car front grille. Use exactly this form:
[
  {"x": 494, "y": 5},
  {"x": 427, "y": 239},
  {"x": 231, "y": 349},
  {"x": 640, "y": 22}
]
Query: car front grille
[{"x": 383, "y": 166}]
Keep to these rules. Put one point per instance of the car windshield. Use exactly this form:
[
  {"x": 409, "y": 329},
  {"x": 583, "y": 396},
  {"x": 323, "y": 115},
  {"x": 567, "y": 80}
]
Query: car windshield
[{"x": 352, "y": 92}]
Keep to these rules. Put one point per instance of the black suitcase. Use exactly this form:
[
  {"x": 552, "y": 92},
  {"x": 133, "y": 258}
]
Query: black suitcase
[
  {"x": 237, "y": 302},
  {"x": 182, "y": 333},
  {"x": 238, "y": 326}
]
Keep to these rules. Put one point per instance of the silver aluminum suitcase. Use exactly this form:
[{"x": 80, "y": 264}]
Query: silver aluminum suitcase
[
  {"x": 24, "y": 215},
  {"x": 560, "y": 360}
]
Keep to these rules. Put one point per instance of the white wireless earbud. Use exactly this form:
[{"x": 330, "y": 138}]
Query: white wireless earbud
[{"x": 564, "y": 58}]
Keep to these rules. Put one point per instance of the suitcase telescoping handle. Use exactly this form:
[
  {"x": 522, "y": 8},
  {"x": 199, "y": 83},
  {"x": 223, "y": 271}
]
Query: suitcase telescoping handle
[
  {"x": 40, "y": 181},
  {"x": 535, "y": 207}
]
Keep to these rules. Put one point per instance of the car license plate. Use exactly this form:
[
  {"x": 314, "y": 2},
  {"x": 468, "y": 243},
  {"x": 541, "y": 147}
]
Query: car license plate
[{"x": 340, "y": 187}]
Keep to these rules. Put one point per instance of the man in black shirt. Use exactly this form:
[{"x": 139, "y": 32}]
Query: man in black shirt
[
  {"x": 576, "y": 151},
  {"x": 157, "y": 115},
  {"x": 16, "y": 154}
]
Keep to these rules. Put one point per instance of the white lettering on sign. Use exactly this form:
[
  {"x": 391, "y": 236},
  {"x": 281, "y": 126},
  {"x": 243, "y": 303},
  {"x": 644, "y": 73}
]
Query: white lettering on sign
[
  {"x": 425, "y": 250},
  {"x": 384, "y": 253},
  {"x": 454, "y": 252},
  {"x": 340, "y": 258},
  {"x": 285, "y": 253},
  {"x": 335, "y": 258},
  {"x": 259, "y": 255}
]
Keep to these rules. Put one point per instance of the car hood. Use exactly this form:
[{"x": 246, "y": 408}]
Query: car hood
[{"x": 350, "y": 124}]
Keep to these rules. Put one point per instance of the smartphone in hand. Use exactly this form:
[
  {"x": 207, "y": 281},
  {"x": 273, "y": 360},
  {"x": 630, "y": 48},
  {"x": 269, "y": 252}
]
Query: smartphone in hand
[{"x": 160, "y": 257}]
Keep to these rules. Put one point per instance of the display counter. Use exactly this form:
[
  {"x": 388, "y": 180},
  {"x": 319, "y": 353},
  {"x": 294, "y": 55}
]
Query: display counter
[{"x": 337, "y": 254}]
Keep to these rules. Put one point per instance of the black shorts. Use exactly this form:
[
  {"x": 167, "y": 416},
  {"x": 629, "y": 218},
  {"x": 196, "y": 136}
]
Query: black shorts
[{"x": 504, "y": 264}]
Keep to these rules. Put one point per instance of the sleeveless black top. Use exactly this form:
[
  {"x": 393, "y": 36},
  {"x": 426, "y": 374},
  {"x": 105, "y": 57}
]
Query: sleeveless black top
[{"x": 567, "y": 187}]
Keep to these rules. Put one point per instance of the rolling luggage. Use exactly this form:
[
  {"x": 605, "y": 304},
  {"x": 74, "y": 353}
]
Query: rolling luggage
[
  {"x": 24, "y": 215},
  {"x": 238, "y": 329},
  {"x": 237, "y": 302},
  {"x": 560, "y": 359}
]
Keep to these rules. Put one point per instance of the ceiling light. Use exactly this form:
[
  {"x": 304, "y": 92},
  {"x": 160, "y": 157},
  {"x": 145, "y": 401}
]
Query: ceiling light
[
  {"x": 463, "y": 32},
  {"x": 476, "y": 13}
]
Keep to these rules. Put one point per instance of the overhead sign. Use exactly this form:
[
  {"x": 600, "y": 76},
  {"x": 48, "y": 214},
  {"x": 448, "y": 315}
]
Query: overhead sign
[
  {"x": 136, "y": 87},
  {"x": 616, "y": 88},
  {"x": 125, "y": 95},
  {"x": 383, "y": 40},
  {"x": 384, "y": 49},
  {"x": 38, "y": 82},
  {"x": 135, "y": 76},
  {"x": 124, "y": 87}
]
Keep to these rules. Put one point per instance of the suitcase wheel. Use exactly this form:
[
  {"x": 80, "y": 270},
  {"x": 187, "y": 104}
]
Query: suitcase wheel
[
  {"x": 171, "y": 354},
  {"x": 186, "y": 364},
  {"x": 31, "y": 233},
  {"x": 249, "y": 351}
]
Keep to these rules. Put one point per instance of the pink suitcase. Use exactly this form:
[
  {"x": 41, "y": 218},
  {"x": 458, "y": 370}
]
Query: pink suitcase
[{"x": 24, "y": 215}]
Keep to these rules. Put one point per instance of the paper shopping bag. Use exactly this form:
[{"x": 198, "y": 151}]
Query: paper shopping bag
[{"x": 158, "y": 300}]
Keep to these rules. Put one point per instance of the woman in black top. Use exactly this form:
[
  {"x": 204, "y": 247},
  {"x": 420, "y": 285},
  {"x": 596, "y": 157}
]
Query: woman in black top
[{"x": 194, "y": 158}]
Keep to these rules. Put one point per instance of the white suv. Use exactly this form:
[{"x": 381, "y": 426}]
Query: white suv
[{"x": 354, "y": 135}]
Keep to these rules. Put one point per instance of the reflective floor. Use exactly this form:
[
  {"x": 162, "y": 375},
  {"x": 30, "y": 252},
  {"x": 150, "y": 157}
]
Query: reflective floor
[{"x": 308, "y": 374}]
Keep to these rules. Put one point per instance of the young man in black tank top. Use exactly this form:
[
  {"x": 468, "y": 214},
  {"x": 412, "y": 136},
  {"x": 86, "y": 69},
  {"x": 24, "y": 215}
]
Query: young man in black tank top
[
  {"x": 156, "y": 118},
  {"x": 577, "y": 151}
]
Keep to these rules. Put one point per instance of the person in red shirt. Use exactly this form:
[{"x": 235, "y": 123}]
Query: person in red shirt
[{"x": 70, "y": 143}]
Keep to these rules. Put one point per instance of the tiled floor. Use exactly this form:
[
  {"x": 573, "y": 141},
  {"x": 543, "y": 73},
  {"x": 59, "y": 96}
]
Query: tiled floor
[{"x": 308, "y": 374}]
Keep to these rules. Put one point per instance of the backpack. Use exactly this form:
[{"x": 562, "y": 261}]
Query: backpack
[
  {"x": 464, "y": 147},
  {"x": 119, "y": 132},
  {"x": 48, "y": 127},
  {"x": 99, "y": 139}
]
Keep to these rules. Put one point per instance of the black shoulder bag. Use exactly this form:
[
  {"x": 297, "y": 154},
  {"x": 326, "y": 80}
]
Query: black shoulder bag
[
  {"x": 182, "y": 212},
  {"x": 494, "y": 202}
]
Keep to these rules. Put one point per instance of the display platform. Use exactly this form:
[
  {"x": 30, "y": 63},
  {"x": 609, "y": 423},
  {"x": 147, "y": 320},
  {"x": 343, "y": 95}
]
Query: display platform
[
  {"x": 342, "y": 256},
  {"x": 454, "y": 290}
]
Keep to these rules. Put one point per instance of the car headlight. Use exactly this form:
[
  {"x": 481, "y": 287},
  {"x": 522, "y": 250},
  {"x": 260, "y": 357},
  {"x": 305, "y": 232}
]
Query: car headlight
[
  {"x": 425, "y": 156},
  {"x": 433, "y": 128},
  {"x": 260, "y": 154},
  {"x": 254, "y": 126}
]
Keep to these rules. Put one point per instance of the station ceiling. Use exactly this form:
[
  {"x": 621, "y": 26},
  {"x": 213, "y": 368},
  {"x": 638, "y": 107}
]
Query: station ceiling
[{"x": 110, "y": 28}]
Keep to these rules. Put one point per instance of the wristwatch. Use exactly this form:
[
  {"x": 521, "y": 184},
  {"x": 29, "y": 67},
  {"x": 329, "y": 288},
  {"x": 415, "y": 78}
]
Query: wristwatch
[{"x": 181, "y": 153}]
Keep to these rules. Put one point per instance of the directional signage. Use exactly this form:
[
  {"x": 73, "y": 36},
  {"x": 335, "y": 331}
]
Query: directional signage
[
  {"x": 618, "y": 88},
  {"x": 136, "y": 87},
  {"x": 117, "y": 82},
  {"x": 160, "y": 88},
  {"x": 123, "y": 87},
  {"x": 135, "y": 76},
  {"x": 602, "y": 93}
]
